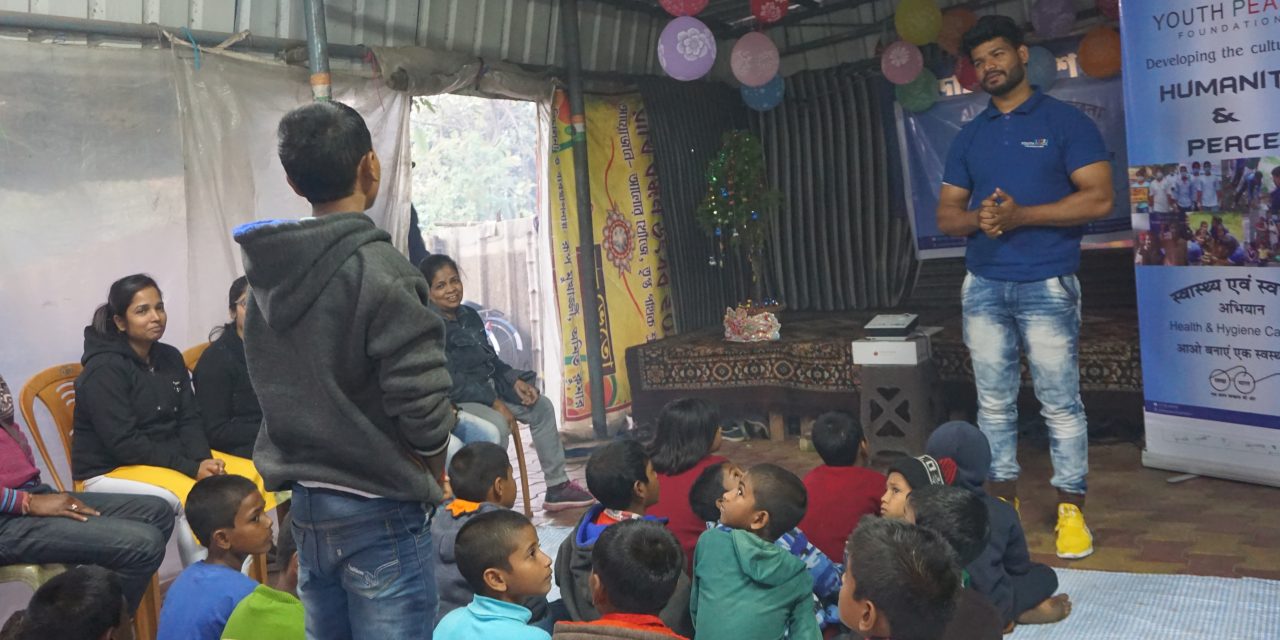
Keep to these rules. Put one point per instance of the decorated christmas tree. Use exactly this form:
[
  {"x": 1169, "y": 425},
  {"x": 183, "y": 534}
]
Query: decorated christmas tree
[{"x": 738, "y": 208}]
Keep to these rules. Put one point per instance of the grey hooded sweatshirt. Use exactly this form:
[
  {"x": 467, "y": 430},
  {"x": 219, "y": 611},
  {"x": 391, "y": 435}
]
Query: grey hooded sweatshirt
[{"x": 347, "y": 359}]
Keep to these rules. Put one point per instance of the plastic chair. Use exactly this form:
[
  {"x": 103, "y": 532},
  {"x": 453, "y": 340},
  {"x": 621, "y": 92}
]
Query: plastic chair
[
  {"x": 55, "y": 387},
  {"x": 192, "y": 356}
]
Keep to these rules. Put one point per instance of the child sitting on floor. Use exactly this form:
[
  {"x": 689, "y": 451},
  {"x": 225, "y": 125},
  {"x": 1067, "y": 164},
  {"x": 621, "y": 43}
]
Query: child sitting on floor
[
  {"x": 744, "y": 585},
  {"x": 1021, "y": 590},
  {"x": 227, "y": 515},
  {"x": 480, "y": 475},
  {"x": 499, "y": 556},
  {"x": 84, "y": 603},
  {"x": 688, "y": 434},
  {"x": 906, "y": 474},
  {"x": 961, "y": 519},
  {"x": 842, "y": 489},
  {"x": 635, "y": 566},
  {"x": 621, "y": 477},
  {"x": 707, "y": 494},
  {"x": 900, "y": 581}
]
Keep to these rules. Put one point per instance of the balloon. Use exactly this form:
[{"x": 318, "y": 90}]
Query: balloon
[
  {"x": 1042, "y": 68},
  {"x": 1053, "y": 18},
  {"x": 1099, "y": 53},
  {"x": 954, "y": 23},
  {"x": 966, "y": 75},
  {"x": 1109, "y": 8},
  {"x": 686, "y": 49},
  {"x": 754, "y": 59},
  {"x": 769, "y": 11},
  {"x": 941, "y": 63},
  {"x": 919, "y": 94},
  {"x": 901, "y": 62},
  {"x": 918, "y": 21},
  {"x": 765, "y": 97},
  {"x": 683, "y": 7}
]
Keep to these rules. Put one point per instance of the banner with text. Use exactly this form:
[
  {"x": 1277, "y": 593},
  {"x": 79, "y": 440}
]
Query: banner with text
[
  {"x": 630, "y": 269},
  {"x": 926, "y": 137},
  {"x": 1204, "y": 176}
]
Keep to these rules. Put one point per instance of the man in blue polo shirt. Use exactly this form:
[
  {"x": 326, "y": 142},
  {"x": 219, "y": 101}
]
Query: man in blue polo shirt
[{"x": 1020, "y": 181}]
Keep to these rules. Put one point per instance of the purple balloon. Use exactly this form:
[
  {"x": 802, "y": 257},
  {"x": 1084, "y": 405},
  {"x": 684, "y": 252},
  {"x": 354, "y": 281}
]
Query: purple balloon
[
  {"x": 1053, "y": 18},
  {"x": 686, "y": 49},
  {"x": 901, "y": 62}
]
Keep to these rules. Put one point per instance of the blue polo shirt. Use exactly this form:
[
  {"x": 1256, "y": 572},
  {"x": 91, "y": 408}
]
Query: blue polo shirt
[{"x": 1030, "y": 153}]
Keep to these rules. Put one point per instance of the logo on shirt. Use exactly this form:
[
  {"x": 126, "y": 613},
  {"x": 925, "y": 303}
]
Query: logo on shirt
[{"x": 1038, "y": 143}]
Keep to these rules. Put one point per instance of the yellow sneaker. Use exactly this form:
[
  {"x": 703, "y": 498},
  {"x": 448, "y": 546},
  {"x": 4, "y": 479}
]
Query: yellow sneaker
[{"x": 1074, "y": 539}]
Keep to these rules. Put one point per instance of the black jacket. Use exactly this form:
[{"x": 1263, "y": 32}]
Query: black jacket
[
  {"x": 347, "y": 359},
  {"x": 1006, "y": 552},
  {"x": 479, "y": 375},
  {"x": 228, "y": 404},
  {"x": 131, "y": 412}
]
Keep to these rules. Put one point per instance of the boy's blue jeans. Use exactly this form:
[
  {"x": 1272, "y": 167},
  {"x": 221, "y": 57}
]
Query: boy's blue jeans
[
  {"x": 1043, "y": 318},
  {"x": 365, "y": 565}
]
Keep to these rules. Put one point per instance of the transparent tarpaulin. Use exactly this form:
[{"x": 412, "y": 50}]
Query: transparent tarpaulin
[{"x": 116, "y": 161}]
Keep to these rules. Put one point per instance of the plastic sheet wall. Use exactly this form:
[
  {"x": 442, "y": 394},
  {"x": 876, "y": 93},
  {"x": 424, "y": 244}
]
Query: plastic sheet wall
[{"x": 116, "y": 161}]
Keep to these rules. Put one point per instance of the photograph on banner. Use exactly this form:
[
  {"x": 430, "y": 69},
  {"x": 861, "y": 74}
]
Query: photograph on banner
[
  {"x": 926, "y": 137},
  {"x": 1207, "y": 213}
]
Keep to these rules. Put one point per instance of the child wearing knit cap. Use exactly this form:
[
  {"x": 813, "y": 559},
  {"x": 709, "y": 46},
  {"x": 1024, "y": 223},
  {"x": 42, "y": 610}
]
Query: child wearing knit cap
[{"x": 906, "y": 474}]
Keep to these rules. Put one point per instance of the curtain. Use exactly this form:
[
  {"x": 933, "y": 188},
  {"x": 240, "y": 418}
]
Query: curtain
[
  {"x": 841, "y": 239},
  {"x": 686, "y": 122}
]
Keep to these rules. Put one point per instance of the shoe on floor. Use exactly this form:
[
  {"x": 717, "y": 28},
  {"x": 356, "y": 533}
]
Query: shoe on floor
[
  {"x": 735, "y": 432},
  {"x": 566, "y": 495},
  {"x": 1074, "y": 539}
]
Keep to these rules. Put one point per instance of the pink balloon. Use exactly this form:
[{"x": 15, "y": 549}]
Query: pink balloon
[
  {"x": 901, "y": 62},
  {"x": 769, "y": 11},
  {"x": 686, "y": 49},
  {"x": 754, "y": 59},
  {"x": 683, "y": 7}
]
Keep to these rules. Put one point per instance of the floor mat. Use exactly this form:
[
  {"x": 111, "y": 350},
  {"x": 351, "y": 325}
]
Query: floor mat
[
  {"x": 549, "y": 538},
  {"x": 1124, "y": 606}
]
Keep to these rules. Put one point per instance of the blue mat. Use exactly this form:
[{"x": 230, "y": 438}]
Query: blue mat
[
  {"x": 1125, "y": 606},
  {"x": 549, "y": 538}
]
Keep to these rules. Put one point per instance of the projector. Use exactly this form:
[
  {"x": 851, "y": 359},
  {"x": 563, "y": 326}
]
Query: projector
[{"x": 891, "y": 326}]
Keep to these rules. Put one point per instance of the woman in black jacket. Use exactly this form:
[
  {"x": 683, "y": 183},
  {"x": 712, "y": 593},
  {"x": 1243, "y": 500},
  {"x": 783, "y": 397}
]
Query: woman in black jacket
[
  {"x": 489, "y": 389},
  {"x": 227, "y": 401},
  {"x": 137, "y": 427}
]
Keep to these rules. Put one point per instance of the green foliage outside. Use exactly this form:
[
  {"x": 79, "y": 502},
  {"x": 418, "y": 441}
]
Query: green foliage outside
[{"x": 474, "y": 159}]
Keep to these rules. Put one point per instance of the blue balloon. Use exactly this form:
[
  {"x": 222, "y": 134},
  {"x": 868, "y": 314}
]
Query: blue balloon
[
  {"x": 1042, "y": 68},
  {"x": 766, "y": 96}
]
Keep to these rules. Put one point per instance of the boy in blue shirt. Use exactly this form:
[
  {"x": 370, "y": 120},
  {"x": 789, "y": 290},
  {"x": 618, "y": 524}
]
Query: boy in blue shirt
[
  {"x": 227, "y": 515},
  {"x": 499, "y": 556}
]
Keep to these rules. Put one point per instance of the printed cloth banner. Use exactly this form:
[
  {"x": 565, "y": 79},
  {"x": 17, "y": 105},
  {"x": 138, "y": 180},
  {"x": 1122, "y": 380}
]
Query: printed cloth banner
[
  {"x": 1204, "y": 149},
  {"x": 925, "y": 138},
  {"x": 631, "y": 270}
]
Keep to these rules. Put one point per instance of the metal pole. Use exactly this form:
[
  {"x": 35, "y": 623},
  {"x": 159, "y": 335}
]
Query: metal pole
[
  {"x": 586, "y": 226},
  {"x": 318, "y": 50},
  {"x": 151, "y": 32}
]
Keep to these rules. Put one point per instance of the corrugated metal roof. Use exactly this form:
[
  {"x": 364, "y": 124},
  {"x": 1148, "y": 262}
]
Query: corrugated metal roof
[
  {"x": 521, "y": 31},
  {"x": 617, "y": 35}
]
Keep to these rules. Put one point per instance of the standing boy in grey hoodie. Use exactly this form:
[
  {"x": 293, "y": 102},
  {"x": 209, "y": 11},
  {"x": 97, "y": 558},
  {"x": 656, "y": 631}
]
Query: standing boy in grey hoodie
[{"x": 349, "y": 367}]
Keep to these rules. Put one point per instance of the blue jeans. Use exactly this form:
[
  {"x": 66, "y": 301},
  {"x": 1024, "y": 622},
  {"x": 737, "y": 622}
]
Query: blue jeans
[
  {"x": 1043, "y": 318},
  {"x": 471, "y": 428},
  {"x": 365, "y": 565}
]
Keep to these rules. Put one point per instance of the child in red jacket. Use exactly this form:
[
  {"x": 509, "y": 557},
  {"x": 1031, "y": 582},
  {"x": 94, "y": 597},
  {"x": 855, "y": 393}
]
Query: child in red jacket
[{"x": 843, "y": 489}]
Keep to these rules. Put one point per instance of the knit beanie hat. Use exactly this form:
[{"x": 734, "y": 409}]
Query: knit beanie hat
[{"x": 924, "y": 471}]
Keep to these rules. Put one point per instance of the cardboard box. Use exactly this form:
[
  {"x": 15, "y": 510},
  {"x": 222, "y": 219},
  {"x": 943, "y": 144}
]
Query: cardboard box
[{"x": 908, "y": 352}]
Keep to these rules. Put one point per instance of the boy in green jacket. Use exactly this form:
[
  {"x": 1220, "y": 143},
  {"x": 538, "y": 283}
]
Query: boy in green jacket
[{"x": 745, "y": 586}]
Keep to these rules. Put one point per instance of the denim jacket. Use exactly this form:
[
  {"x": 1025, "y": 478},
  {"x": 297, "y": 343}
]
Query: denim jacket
[{"x": 474, "y": 365}]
